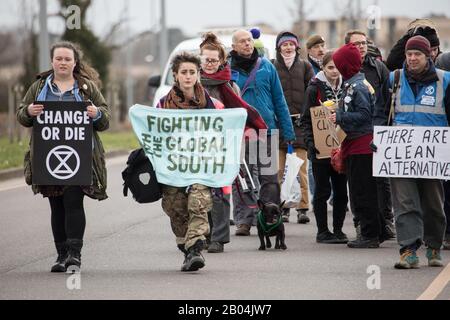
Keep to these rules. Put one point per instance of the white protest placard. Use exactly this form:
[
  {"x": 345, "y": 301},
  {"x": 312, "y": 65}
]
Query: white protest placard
[
  {"x": 412, "y": 152},
  {"x": 191, "y": 146}
]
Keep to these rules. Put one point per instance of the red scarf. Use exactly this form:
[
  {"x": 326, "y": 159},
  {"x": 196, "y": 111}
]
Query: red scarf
[{"x": 231, "y": 100}]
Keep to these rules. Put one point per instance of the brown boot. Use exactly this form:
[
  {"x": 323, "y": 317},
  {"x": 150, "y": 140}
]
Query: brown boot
[{"x": 243, "y": 230}]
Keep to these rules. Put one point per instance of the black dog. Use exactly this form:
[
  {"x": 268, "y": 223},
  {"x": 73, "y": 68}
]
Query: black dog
[{"x": 270, "y": 223}]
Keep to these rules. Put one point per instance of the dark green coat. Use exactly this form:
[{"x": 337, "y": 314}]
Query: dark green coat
[{"x": 88, "y": 90}]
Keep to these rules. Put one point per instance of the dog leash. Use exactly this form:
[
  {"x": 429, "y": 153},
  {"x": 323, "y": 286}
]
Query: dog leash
[{"x": 267, "y": 229}]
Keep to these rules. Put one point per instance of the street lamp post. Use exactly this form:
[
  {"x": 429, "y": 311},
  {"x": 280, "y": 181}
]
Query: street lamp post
[
  {"x": 163, "y": 43},
  {"x": 44, "y": 60},
  {"x": 244, "y": 13}
]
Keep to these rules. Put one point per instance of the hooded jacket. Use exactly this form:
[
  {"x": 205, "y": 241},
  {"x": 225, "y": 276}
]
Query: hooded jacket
[
  {"x": 319, "y": 89},
  {"x": 377, "y": 74},
  {"x": 356, "y": 107},
  {"x": 396, "y": 57}
]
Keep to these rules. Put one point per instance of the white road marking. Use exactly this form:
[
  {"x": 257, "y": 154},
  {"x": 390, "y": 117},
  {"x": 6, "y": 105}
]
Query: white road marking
[{"x": 438, "y": 284}]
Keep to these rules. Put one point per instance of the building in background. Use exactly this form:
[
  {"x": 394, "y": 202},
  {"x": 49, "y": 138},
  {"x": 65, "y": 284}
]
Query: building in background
[{"x": 389, "y": 30}]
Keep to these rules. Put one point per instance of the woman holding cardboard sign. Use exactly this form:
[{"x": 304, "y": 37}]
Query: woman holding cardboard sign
[
  {"x": 325, "y": 88},
  {"x": 70, "y": 79}
]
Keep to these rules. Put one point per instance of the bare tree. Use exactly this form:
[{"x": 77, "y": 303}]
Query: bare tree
[
  {"x": 350, "y": 12},
  {"x": 301, "y": 13}
]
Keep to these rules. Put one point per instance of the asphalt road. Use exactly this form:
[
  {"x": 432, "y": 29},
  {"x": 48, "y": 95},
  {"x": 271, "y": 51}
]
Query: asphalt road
[{"x": 130, "y": 253}]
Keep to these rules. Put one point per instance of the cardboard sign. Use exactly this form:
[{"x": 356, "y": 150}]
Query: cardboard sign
[
  {"x": 412, "y": 152},
  {"x": 326, "y": 136},
  {"x": 191, "y": 146},
  {"x": 62, "y": 144}
]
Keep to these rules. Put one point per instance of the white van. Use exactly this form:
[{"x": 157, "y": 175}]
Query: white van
[{"x": 164, "y": 82}]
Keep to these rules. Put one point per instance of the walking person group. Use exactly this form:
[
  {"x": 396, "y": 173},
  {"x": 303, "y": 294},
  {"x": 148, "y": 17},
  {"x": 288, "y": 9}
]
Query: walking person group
[{"x": 278, "y": 96}]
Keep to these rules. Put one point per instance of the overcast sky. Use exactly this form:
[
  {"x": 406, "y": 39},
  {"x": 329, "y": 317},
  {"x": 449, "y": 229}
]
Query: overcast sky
[{"x": 193, "y": 16}]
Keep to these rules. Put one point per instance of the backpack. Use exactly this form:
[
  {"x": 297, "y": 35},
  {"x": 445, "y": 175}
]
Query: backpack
[{"x": 140, "y": 177}]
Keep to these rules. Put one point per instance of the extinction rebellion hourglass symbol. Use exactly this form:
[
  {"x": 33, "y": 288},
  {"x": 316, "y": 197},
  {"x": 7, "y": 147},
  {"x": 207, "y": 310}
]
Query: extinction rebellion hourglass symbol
[{"x": 63, "y": 162}]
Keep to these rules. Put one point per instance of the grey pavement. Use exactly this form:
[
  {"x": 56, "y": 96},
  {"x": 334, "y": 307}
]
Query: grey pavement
[{"x": 130, "y": 253}]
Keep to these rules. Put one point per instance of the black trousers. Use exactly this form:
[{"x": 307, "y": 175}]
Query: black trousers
[
  {"x": 363, "y": 194},
  {"x": 323, "y": 172},
  {"x": 68, "y": 218},
  {"x": 384, "y": 200},
  {"x": 447, "y": 204}
]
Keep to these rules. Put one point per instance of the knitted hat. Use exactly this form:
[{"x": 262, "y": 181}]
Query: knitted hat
[
  {"x": 419, "y": 43},
  {"x": 347, "y": 60},
  {"x": 287, "y": 37},
  {"x": 256, "y": 33},
  {"x": 313, "y": 40},
  {"x": 433, "y": 38}
]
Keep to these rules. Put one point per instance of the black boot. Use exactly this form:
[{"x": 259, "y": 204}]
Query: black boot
[
  {"x": 73, "y": 262},
  {"x": 60, "y": 263},
  {"x": 194, "y": 259},
  {"x": 183, "y": 249}
]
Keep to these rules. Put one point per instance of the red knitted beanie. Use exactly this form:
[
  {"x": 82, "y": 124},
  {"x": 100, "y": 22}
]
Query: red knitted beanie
[
  {"x": 347, "y": 60},
  {"x": 419, "y": 43}
]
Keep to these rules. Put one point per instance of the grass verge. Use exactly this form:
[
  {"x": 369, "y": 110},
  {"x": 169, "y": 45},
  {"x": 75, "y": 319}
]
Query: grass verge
[{"x": 11, "y": 154}]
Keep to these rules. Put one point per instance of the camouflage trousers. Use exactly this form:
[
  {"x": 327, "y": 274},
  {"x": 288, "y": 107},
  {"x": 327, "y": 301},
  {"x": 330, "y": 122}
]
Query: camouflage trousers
[{"x": 188, "y": 212}]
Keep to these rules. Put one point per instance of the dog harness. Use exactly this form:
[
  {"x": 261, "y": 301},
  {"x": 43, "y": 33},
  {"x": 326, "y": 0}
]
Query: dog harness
[{"x": 268, "y": 228}]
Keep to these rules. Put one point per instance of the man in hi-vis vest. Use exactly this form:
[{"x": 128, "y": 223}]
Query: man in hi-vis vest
[{"x": 422, "y": 99}]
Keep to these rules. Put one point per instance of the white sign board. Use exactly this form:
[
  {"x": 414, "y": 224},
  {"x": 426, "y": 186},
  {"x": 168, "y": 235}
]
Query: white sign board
[{"x": 412, "y": 152}]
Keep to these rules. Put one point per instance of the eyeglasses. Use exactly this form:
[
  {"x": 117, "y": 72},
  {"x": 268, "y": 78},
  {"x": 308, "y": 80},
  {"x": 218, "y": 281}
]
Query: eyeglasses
[
  {"x": 207, "y": 61},
  {"x": 360, "y": 43}
]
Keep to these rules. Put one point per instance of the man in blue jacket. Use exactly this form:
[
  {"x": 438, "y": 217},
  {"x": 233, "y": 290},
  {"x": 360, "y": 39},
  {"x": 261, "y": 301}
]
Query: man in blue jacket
[
  {"x": 260, "y": 87},
  {"x": 423, "y": 99}
]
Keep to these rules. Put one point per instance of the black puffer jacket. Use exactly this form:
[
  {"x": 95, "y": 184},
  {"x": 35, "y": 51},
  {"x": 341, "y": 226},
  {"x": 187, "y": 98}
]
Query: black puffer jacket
[
  {"x": 377, "y": 74},
  {"x": 294, "y": 82},
  {"x": 397, "y": 55}
]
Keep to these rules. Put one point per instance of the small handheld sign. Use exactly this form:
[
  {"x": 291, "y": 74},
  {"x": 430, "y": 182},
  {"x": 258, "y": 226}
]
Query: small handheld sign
[
  {"x": 62, "y": 144},
  {"x": 326, "y": 135}
]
